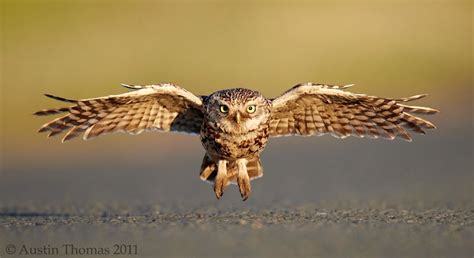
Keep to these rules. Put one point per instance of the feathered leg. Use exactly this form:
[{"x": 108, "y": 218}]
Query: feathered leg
[
  {"x": 220, "y": 181},
  {"x": 243, "y": 179}
]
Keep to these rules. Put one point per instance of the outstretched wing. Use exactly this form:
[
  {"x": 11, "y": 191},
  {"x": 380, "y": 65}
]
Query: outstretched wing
[
  {"x": 163, "y": 107},
  {"x": 316, "y": 109}
]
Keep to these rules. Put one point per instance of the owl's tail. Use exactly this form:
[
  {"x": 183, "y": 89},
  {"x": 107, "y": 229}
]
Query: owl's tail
[{"x": 209, "y": 169}]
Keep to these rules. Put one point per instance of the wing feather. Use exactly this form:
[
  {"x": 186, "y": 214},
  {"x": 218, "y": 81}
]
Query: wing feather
[
  {"x": 318, "y": 109},
  {"x": 163, "y": 107}
]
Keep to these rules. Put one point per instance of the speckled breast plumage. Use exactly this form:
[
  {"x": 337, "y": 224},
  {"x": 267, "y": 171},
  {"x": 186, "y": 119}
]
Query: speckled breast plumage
[{"x": 231, "y": 146}]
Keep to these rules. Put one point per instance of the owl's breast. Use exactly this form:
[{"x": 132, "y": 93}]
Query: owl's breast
[{"x": 219, "y": 144}]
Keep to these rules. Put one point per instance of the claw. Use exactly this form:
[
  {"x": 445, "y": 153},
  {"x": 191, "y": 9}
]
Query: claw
[
  {"x": 220, "y": 182},
  {"x": 243, "y": 179},
  {"x": 219, "y": 185},
  {"x": 244, "y": 187}
]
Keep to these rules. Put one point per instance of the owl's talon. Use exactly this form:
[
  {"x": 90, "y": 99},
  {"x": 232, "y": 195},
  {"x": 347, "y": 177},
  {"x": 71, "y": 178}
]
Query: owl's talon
[
  {"x": 221, "y": 179},
  {"x": 244, "y": 187},
  {"x": 243, "y": 179},
  {"x": 219, "y": 186}
]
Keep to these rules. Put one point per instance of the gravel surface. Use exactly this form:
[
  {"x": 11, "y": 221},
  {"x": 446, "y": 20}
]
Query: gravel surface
[
  {"x": 206, "y": 232},
  {"x": 460, "y": 219}
]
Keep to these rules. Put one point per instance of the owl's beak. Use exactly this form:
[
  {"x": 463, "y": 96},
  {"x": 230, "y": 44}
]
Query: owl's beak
[{"x": 237, "y": 117}]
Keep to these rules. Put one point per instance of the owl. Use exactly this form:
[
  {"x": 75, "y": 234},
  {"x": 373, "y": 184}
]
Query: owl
[{"x": 235, "y": 125}]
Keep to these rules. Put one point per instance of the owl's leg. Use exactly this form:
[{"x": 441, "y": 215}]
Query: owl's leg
[
  {"x": 220, "y": 182},
  {"x": 243, "y": 179}
]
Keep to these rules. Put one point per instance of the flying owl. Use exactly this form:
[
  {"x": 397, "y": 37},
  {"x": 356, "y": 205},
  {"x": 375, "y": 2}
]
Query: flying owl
[{"x": 234, "y": 125}]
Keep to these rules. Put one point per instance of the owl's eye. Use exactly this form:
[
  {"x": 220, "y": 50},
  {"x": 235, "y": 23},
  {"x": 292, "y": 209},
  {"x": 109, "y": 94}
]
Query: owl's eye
[
  {"x": 224, "y": 109},
  {"x": 251, "y": 109}
]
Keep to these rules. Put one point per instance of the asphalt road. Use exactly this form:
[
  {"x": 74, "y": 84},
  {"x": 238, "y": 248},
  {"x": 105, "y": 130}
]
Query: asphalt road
[{"x": 306, "y": 231}]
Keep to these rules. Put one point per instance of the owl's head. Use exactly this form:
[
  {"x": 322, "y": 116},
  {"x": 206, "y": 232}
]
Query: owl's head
[{"x": 237, "y": 110}]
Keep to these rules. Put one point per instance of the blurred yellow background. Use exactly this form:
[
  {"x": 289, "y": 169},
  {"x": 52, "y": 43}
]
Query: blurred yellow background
[
  {"x": 85, "y": 48},
  {"x": 81, "y": 49}
]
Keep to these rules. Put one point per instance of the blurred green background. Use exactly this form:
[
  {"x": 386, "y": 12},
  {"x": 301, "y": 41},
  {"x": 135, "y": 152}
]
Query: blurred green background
[{"x": 81, "y": 49}]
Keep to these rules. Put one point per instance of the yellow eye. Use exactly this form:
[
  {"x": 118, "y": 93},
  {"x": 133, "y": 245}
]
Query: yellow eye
[
  {"x": 251, "y": 109},
  {"x": 224, "y": 109}
]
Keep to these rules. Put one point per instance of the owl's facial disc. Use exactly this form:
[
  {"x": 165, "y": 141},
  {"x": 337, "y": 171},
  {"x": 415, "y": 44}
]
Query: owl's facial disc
[
  {"x": 243, "y": 117},
  {"x": 238, "y": 111},
  {"x": 242, "y": 113}
]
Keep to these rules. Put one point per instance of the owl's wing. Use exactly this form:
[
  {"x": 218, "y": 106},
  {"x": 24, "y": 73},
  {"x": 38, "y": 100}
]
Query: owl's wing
[
  {"x": 163, "y": 107},
  {"x": 316, "y": 109}
]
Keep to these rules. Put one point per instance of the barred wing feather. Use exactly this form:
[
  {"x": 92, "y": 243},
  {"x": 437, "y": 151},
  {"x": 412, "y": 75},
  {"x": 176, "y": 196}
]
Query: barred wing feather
[
  {"x": 317, "y": 109},
  {"x": 163, "y": 107}
]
